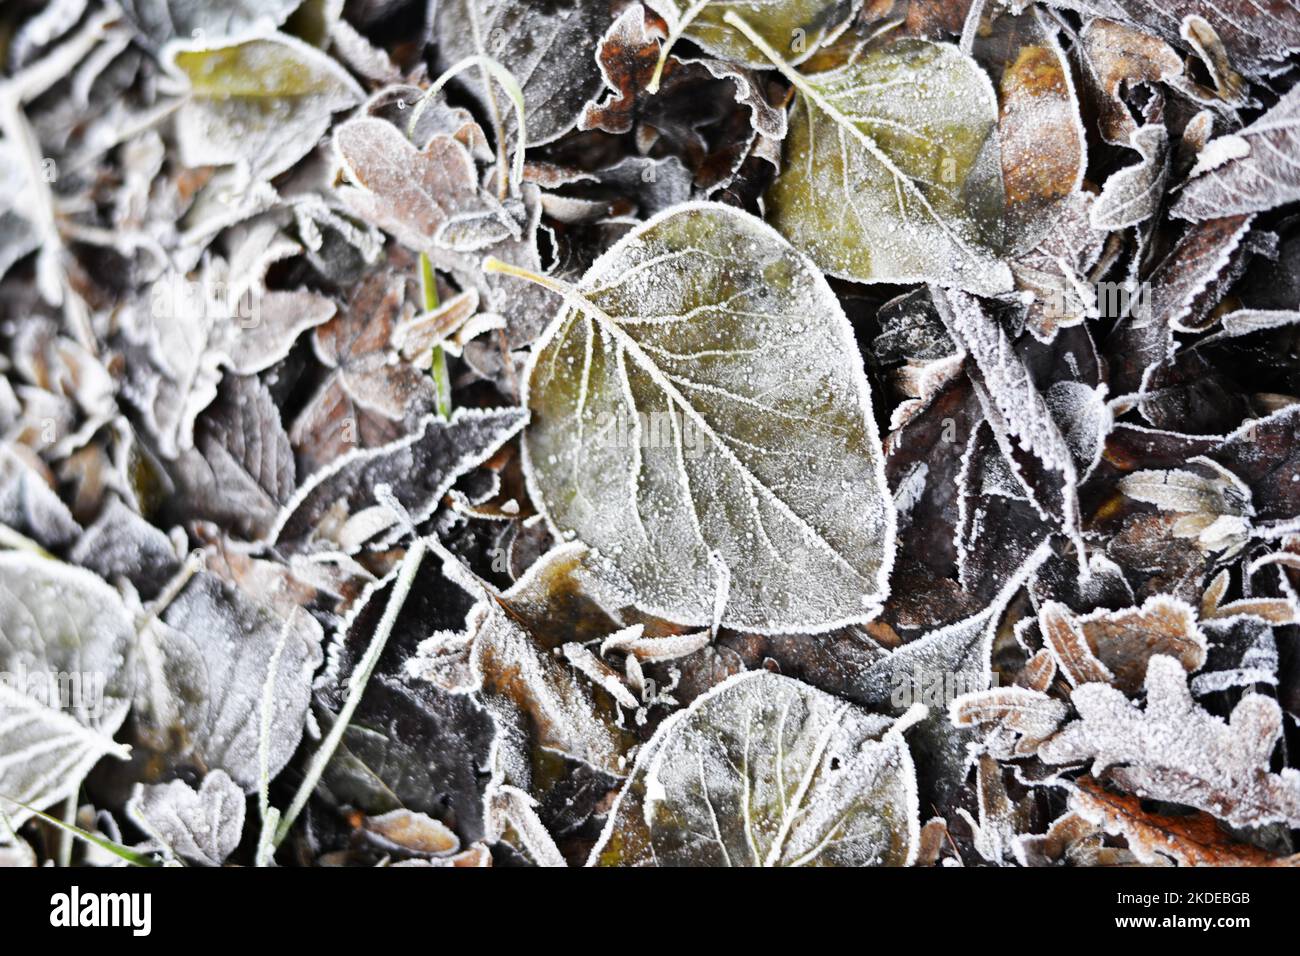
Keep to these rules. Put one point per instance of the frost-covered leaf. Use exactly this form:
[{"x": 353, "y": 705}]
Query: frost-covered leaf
[
  {"x": 999, "y": 525},
  {"x": 1133, "y": 194},
  {"x": 892, "y": 170},
  {"x": 1114, "y": 56},
  {"x": 337, "y": 507},
  {"x": 66, "y": 648},
  {"x": 932, "y": 670},
  {"x": 29, "y": 505},
  {"x": 766, "y": 771},
  {"x": 1188, "y": 839},
  {"x": 1071, "y": 840},
  {"x": 510, "y": 655},
  {"x": 411, "y": 744},
  {"x": 1264, "y": 455},
  {"x": 1177, "y": 752},
  {"x": 1253, "y": 170},
  {"x": 1207, "y": 490},
  {"x": 429, "y": 198},
  {"x": 1115, "y": 646},
  {"x": 1055, "y": 271},
  {"x": 1195, "y": 275},
  {"x": 1022, "y": 716},
  {"x": 545, "y": 47},
  {"x": 410, "y": 833},
  {"x": 688, "y": 401},
  {"x": 20, "y": 237},
  {"x": 372, "y": 391},
  {"x": 262, "y": 103},
  {"x": 629, "y": 53},
  {"x": 409, "y": 192},
  {"x": 203, "y": 670},
  {"x": 795, "y": 27},
  {"x": 1010, "y": 397},
  {"x": 1181, "y": 295},
  {"x": 1001, "y": 819},
  {"x": 1243, "y": 650},
  {"x": 203, "y": 826},
  {"x": 123, "y": 544},
  {"x": 539, "y": 702}
]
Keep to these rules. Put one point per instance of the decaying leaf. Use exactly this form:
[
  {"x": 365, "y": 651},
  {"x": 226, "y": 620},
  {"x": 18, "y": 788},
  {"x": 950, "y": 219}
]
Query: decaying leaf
[
  {"x": 1115, "y": 647},
  {"x": 337, "y": 506},
  {"x": 1258, "y": 35},
  {"x": 1190, "y": 840}
]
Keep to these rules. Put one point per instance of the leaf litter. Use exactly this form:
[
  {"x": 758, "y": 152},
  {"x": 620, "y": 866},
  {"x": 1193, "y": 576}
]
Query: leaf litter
[{"x": 679, "y": 434}]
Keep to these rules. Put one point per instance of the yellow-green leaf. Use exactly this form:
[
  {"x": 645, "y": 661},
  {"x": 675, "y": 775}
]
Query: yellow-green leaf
[
  {"x": 263, "y": 103},
  {"x": 892, "y": 171}
]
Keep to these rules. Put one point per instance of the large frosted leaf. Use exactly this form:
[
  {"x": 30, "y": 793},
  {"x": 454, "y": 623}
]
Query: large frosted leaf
[
  {"x": 892, "y": 171},
  {"x": 66, "y": 641},
  {"x": 795, "y": 27},
  {"x": 702, "y": 392},
  {"x": 263, "y": 103},
  {"x": 764, "y": 770}
]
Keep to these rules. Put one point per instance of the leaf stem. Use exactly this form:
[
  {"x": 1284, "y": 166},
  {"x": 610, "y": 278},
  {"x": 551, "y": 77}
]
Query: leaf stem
[
  {"x": 493, "y": 264},
  {"x": 674, "y": 34},
  {"x": 269, "y": 815},
  {"x": 438, "y": 359},
  {"x": 357, "y": 685},
  {"x": 778, "y": 61},
  {"x": 65, "y": 835}
]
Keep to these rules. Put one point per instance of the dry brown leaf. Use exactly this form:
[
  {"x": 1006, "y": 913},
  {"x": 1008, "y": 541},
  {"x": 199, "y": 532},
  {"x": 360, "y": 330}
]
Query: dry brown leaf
[{"x": 1194, "y": 839}]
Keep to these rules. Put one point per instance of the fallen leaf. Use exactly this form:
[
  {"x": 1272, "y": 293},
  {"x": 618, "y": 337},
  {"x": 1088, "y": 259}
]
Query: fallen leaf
[{"x": 661, "y": 431}]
